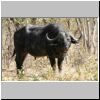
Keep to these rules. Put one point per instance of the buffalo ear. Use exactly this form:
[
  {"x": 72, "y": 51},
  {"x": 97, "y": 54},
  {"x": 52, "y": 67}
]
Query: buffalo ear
[{"x": 74, "y": 40}]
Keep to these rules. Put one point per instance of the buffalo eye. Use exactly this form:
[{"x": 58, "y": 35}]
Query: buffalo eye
[{"x": 68, "y": 39}]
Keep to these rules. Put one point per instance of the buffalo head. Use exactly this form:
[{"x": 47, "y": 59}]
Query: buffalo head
[{"x": 62, "y": 40}]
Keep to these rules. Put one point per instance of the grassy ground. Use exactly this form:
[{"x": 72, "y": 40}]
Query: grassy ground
[{"x": 79, "y": 66}]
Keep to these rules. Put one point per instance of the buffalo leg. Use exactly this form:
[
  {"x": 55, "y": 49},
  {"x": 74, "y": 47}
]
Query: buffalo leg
[
  {"x": 53, "y": 63},
  {"x": 60, "y": 61},
  {"x": 20, "y": 57}
]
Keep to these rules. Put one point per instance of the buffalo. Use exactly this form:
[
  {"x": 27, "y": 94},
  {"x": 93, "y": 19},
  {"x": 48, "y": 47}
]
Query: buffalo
[{"x": 49, "y": 40}]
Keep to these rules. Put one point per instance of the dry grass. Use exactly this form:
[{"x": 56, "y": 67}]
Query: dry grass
[{"x": 80, "y": 66}]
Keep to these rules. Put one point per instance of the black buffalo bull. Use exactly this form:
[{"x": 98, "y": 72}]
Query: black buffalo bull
[{"x": 50, "y": 40}]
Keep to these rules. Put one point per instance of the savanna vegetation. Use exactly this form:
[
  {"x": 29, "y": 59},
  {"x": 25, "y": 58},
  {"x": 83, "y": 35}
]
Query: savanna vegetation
[{"x": 82, "y": 59}]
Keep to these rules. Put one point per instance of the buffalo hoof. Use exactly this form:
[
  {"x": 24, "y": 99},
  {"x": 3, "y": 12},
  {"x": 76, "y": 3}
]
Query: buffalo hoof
[{"x": 20, "y": 71}]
